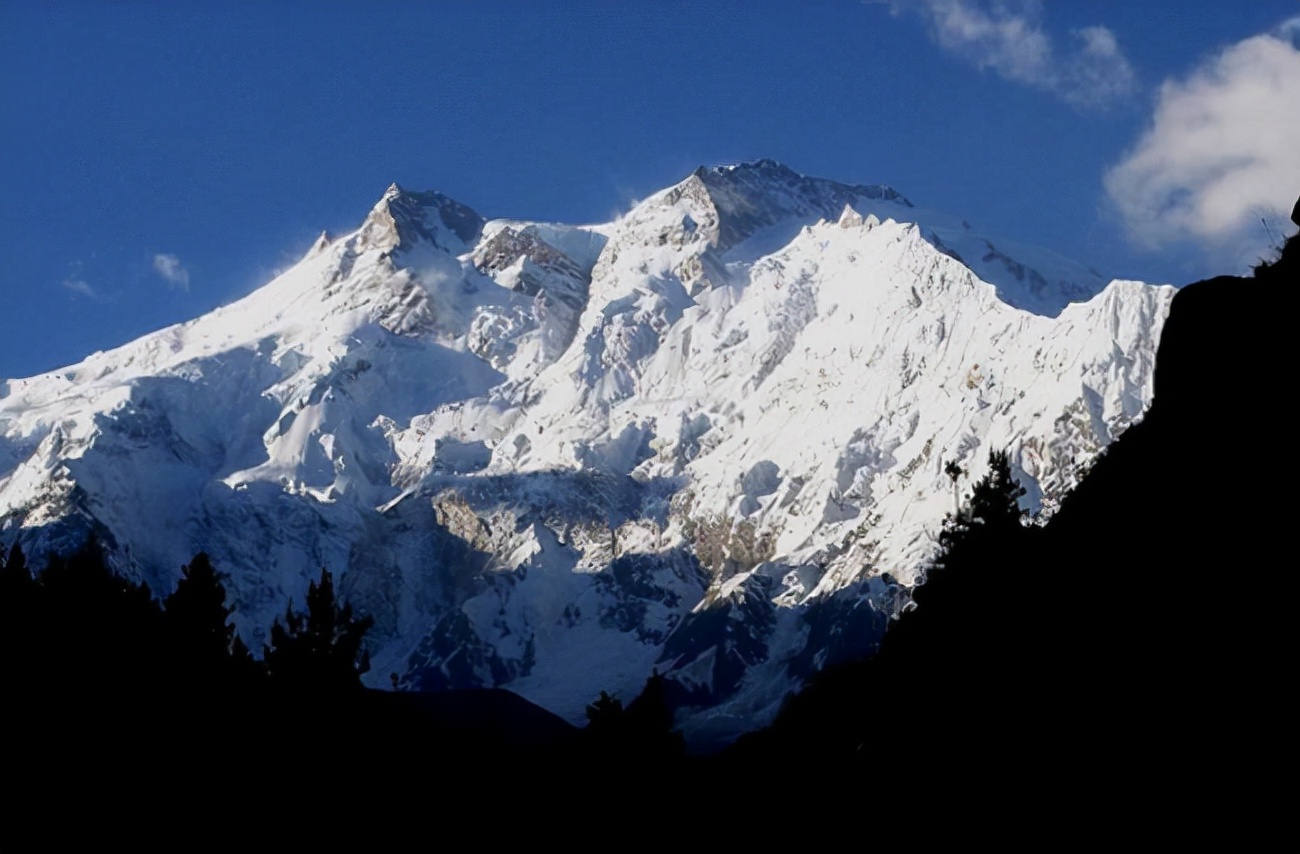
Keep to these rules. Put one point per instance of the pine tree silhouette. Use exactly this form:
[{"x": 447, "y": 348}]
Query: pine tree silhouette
[
  {"x": 993, "y": 502},
  {"x": 643, "y": 729},
  {"x": 322, "y": 649},
  {"x": 989, "y": 522},
  {"x": 945, "y": 668},
  {"x": 205, "y": 652},
  {"x": 22, "y": 614},
  {"x": 197, "y": 614},
  {"x": 102, "y": 628},
  {"x": 650, "y": 721},
  {"x": 604, "y": 714}
]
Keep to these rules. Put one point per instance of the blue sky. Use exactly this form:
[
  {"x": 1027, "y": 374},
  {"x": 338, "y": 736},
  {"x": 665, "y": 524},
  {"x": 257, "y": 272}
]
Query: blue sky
[{"x": 158, "y": 160}]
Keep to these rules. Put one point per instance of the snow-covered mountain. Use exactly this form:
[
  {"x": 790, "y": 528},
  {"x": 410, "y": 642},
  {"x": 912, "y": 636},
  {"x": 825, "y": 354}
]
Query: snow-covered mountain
[{"x": 706, "y": 438}]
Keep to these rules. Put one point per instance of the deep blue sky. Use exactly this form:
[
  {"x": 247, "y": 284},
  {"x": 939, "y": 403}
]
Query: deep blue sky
[{"x": 227, "y": 134}]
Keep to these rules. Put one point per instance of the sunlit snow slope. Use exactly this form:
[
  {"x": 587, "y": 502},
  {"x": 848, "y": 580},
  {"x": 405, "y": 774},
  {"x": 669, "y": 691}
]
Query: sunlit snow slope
[{"x": 707, "y": 438}]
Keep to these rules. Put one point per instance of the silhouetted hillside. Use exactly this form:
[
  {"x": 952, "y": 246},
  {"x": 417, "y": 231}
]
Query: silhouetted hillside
[
  {"x": 1140, "y": 651},
  {"x": 1182, "y": 530}
]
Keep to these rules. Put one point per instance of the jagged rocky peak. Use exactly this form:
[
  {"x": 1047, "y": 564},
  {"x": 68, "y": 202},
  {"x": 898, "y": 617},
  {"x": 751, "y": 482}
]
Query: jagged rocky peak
[
  {"x": 766, "y": 178},
  {"x": 751, "y": 196},
  {"x": 849, "y": 218},
  {"x": 320, "y": 244},
  {"x": 402, "y": 219}
]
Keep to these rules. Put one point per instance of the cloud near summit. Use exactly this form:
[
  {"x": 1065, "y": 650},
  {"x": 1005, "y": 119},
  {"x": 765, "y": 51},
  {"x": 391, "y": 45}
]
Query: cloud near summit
[
  {"x": 1009, "y": 38},
  {"x": 1220, "y": 152},
  {"x": 169, "y": 267}
]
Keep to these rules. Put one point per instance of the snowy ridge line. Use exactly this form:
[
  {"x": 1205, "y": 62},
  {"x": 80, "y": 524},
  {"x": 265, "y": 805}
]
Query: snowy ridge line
[{"x": 707, "y": 437}]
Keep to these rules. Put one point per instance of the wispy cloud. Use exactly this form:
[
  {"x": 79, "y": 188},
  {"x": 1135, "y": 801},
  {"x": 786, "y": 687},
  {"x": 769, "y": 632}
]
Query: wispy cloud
[
  {"x": 1008, "y": 38},
  {"x": 170, "y": 268},
  {"x": 80, "y": 286},
  {"x": 1220, "y": 152}
]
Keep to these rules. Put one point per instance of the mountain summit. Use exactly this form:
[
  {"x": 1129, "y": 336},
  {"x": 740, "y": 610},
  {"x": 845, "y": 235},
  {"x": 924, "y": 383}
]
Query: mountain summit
[
  {"x": 402, "y": 219},
  {"x": 708, "y": 438},
  {"x": 752, "y": 196}
]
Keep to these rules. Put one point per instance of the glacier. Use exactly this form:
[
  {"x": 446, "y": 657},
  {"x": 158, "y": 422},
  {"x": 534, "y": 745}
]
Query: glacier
[{"x": 706, "y": 439}]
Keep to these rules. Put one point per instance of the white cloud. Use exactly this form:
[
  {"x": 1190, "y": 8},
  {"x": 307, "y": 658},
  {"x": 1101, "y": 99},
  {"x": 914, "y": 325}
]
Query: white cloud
[
  {"x": 1008, "y": 38},
  {"x": 81, "y": 286},
  {"x": 169, "y": 267},
  {"x": 1220, "y": 153}
]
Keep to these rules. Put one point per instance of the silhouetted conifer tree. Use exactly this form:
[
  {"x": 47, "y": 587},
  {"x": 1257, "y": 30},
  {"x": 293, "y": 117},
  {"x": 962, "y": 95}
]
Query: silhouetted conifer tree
[
  {"x": 21, "y": 614},
  {"x": 14, "y": 572},
  {"x": 994, "y": 502},
  {"x": 990, "y": 522},
  {"x": 204, "y": 650},
  {"x": 197, "y": 614},
  {"x": 322, "y": 649},
  {"x": 18, "y": 592},
  {"x": 947, "y": 667},
  {"x": 604, "y": 714},
  {"x": 643, "y": 728},
  {"x": 101, "y": 631},
  {"x": 650, "y": 719}
]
